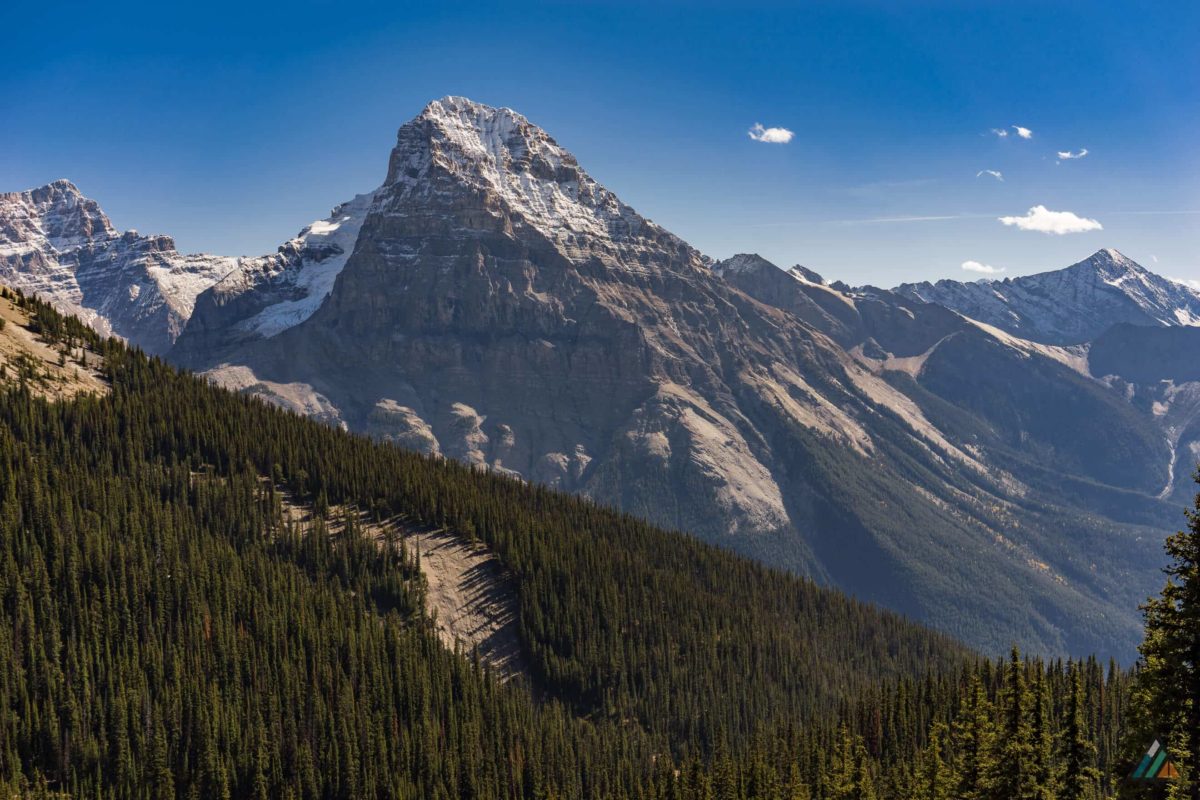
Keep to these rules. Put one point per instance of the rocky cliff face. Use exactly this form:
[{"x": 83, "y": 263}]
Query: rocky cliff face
[
  {"x": 499, "y": 306},
  {"x": 503, "y": 308},
  {"x": 1068, "y": 306},
  {"x": 491, "y": 302},
  {"x": 871, "y": 323},
  {"x": 263, "y": 296},
  {"x": 58, "y": 244}
]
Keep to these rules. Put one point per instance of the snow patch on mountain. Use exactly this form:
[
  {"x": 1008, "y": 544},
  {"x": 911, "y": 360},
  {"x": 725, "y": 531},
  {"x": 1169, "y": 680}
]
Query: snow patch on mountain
[
  {"x": 1068, "y": 306},
  {"x": 309, "y": 264},
  {"x": 501, "y": 153},
  {"x": 58, "y": 244}
]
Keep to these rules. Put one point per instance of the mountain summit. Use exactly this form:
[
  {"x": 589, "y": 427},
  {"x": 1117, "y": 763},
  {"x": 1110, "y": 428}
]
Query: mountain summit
[
  {"x": 502, "y": 307},
  {"x": 455, "y": 154},
  {"x": 498, "y": 152},
  {"x": 1068, "y": 306},
  {"x": 59, "y": 244},
  {"x": 491, "y": 302}
]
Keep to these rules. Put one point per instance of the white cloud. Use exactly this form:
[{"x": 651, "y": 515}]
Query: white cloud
[
  {"x": 1043, "y": 220},
  {"x": 995, "y": 173},
  {"x": 1067, "y": 155},
  {"x": 1024, "y": 133},
  {"x": 1154, "y": 258},
  {"x": 770, "y": 135},
  {"x": 986, "y": 269},
  {"x": 1191, "y": 283},
  {"x": 1001, "y": 132}
]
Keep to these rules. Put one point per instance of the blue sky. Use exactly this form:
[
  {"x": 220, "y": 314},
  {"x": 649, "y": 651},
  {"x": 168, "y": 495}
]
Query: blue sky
[{"x": 231, "y": 125}]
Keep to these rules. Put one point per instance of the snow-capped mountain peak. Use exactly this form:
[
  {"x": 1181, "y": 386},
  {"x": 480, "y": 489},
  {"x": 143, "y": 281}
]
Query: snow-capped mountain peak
[
  {"x": 1071, "y": 305},
  {"x": 1110, "y": 266},
  {"x": 516, "y": 164},
  {"x": 57, "y": 243},
  {"x": 56, "y": 215},
  {"x": 742, "y": 263},
  {"x": 1166, "y": 301}
]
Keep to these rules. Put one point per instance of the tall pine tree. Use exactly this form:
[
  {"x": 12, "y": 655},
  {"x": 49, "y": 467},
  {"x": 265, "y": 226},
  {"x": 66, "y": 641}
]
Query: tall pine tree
[
  {"x": 1080, "y": 776},
  {"x": 974, "y": 735},
  {"x": 1167, "y": 695},
  {"x": 1015, "y": 773}
]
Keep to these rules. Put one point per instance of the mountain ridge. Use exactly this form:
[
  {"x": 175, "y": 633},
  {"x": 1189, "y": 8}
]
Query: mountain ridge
[
  {"x": 1070, "y": 305},
  {"x": 492, "y": 303},
  {"x": 59, "y": 244}
]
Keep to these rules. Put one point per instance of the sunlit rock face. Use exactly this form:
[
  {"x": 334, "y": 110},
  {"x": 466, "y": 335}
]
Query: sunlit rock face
[
  {"x": 1072, "y": 305},
  {"x": 58, "y": 244},
  {"x": 490, "y": 302}
]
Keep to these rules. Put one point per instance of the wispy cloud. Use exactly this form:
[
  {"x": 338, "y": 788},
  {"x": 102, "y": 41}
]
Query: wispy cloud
[
  {"x": 995, "y": 173},
  {"x": 1030, "y": 221},
  {"x": 1161, "y": 213},
  {"x": 1043, "y": 220},
  {"x": 770, "y": 135},
  {"x": 1067, "y": 155},
  {"x": 914, "y": 218},
  {"x": 1019, "y": 130},
  {"x": 986, "y": 269}
]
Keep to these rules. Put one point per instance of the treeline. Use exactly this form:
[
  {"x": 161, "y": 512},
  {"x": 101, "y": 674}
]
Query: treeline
[{"x": 165, "y": 635}]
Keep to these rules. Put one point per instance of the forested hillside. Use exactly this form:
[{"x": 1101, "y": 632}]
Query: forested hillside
[{"x": 165, "y": 634}]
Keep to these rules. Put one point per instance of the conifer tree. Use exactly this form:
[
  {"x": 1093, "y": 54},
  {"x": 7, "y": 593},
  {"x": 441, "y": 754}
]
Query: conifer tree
[
  {"x": 863, "y": 787},
  {"x": 974, "y": 740},
  {"x": 936, "y": 779},
  {"x": 1080, "y": 776},
  {"x": 166, "y": 632},
  {"x": 1042, "y": 736},
  {"x": 1166, "y": 698},
  {"x": 1014, "y": 771},
  {"x": 796, "y": 789},
  {"x": 840, "y": 778}
]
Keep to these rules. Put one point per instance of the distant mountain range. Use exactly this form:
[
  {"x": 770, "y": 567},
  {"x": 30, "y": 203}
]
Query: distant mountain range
[
  {"x": 999, "y": 458},
  {"x": 1068, "y": 306},
  {"x": 59, "y": 244}
]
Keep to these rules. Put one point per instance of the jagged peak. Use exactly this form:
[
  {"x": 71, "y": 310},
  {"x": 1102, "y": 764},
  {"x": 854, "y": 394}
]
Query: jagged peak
[
  {"x": 466, "y": 109},
  {"x": 467, "y": 137},
  {"x": 1111, "y": 267},
  {"x": 60, "y": 187},
  {"x": 753, "y": 263},
  {"x": 57, "y": 211},
  {"x": 804, "y": 273},
  {"x": 455, "y": 140},
  {"x": 1106, "y": 264},
  {"x": 742, "y": 263},
  {"x": 1108, "y": 258},
  {"x": 60, "y": 191}
]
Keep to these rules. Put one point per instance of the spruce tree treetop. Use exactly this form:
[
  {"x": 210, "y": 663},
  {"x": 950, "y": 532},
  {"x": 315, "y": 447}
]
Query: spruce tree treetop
[{"x": 1166, "y": 699}]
